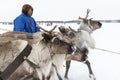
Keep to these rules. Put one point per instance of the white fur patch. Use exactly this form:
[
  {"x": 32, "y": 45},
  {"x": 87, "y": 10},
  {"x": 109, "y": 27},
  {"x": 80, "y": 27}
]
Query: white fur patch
[
  {"x": 40, "y": 56},
  {"x": 21, "y": 44}
]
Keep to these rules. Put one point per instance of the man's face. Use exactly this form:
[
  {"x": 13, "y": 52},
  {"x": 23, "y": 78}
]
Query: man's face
[{"x": 30, "y": 12}]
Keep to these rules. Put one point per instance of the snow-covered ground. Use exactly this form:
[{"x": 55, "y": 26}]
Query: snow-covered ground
[{"x": 105, "y": 67}]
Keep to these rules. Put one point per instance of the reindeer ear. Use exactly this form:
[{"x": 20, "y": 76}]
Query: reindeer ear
[
  {"x": 62, "y": 29},
  {"x": 46, "y": 37}
]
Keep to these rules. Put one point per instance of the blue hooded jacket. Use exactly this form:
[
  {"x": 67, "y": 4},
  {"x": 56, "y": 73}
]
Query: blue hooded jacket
[{"x": 24, "y": 23}]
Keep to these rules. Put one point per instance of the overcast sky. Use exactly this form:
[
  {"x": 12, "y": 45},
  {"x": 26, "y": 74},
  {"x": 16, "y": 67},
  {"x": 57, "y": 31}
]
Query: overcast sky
[{"x": 61, "y": 9}]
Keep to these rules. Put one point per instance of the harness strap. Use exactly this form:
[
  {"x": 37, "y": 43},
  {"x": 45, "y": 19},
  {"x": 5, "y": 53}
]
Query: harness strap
[
  {"x": 16, "y": 63},
  {"x": 33, "y": 65}
]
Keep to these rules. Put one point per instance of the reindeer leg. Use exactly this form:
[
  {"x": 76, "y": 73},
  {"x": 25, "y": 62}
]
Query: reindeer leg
[
  {"x": 0, "y": 72},
  {"x": 48, "y": 78},
  {"x": 59, "y": 77},
  {"x": 43, "y": 77},
  {"x": 91, "y": 74},
  {"x": 67, "y": 68}
]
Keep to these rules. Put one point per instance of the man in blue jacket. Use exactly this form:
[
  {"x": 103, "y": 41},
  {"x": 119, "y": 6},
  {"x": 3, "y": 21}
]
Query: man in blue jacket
[{"x": 24, "y": 22}]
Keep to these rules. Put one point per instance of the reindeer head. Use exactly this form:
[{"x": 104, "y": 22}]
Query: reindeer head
[
  {"x": 47, "y": 35},
  {"x": 67, "y": 31},
  {"x": 89, "y": 23}
]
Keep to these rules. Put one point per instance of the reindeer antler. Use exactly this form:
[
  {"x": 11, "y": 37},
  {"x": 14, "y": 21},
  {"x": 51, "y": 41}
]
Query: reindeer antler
[
  {"x": 53, "y": 28},
  {"x": 47, "y": 30},
  {"x": 88, "y": 11}
]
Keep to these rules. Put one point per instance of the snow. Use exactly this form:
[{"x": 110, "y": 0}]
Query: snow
[{"x": 105, "y": 67}]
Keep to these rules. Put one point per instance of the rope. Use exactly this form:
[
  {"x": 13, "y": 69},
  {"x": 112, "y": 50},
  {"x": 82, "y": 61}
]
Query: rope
[{"x": 107, "y": 51}]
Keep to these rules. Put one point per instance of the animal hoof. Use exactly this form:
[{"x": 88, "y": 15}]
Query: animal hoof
[{"x": 92, "y": 76}]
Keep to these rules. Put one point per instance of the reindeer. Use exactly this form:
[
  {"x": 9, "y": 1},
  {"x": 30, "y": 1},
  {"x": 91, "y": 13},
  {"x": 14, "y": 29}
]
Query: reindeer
[
  {"x": 11, "y": 46},
  {"x": 59, "y": 50},
  {"x": 48, "y": 53},
  {"x": 81, "y": 39},
  {"x": 47, "y": 50}
]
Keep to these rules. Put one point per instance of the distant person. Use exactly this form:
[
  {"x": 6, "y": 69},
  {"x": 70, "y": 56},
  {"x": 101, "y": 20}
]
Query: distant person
[{"x": 24, "y": 22}]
